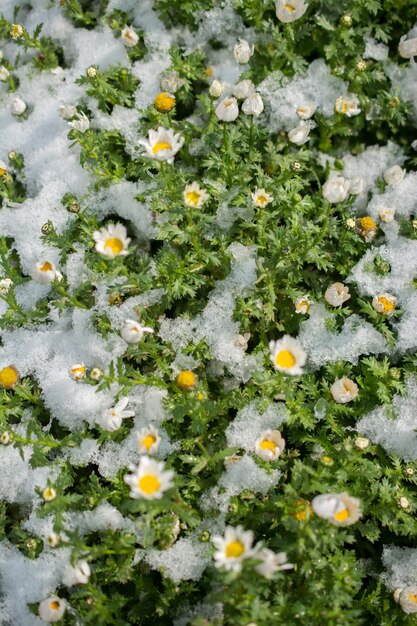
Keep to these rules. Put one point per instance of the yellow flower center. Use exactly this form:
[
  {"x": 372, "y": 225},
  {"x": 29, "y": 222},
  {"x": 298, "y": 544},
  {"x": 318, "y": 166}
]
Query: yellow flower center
[
  {"x": 262, "y": 200},
  {"x": 8, "y": 377},
  {"x": 227, "y": 103},
  {"x": 285, "y": 359},
  {"x": 302, "y": 509},
  {"x": 342, "y": 515},
  {"x": 266, "y": 444},
  {"x": 164, "y": 102},
  {"x": 186, "y": 379},
  {"x": 2, "y": 171},
  {"x": 412, "y": 597},
  {"x": 289, "y": 7},
  {"x": 46, "y": 267},
  {"x": 148, "y": 484},
  {"x": 48, "y": 494},
  {"x": 234, "y": 549},
  {"x": 148, "y": 441},
  {"x": 343, "y": 106},
  {"x": 161, "y": 145},
  {"x": 209, "y": 72},
  {"x": 367, "y": 223},
  {"x": 115, "y": 245},
  {"x": 388, "y": 305},
  {"x": 192, "y": 197},
  {"x": 54, "y": 605},
  {"x": 302, "y": 305},
  {"x": 78, "y": 370}
]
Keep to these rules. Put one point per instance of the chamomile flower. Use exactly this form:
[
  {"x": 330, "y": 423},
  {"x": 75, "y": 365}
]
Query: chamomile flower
[
  {"x": 261, "y": 198},
  {"x": 132, "y": 332},
  {"x": 52, "y": 609},
  {"x": 243, "y": 89},
  {"x": 287, "y": 355},
  {"x": 344, "y": 390},
  {"x": 194, "y": 195},
  {"x": 44, "y": 272},
  {"x": 78, "y": 574},
  {"x": 270, "y": 445},
  {"x": 348, "y": 105},
  {"x": 49, "y": 494},
  {"x": 162, "y": 144},
  {"x": 302, "y": 305},
  {"x": 171, "y": 82},
  {"x": 336, "y": 294},
  {"x": 16, "y": 31},
  {"x": 299, "y": 135},
  {"x": 129, "y": 37},
  {"x": 186, "y": 380},
  {"x": 216, "y": 88},
  {"x": 227, "y": 110},
  {"x": 290, "y": 10},
  {"x": 148, "y": 440},
  {"x": 407, "y": 599},
  {"x": 386, "y": 214},
  {"x": 307, "y": 110},
  {"x": 164, "y": 102},
  {"x": 9, "y": 377},
  {"x": 243, "y": 51},
  {"x": 394, "y": 175},
  {"x": 112, "y": 419},
  {"x": 233, "y": 548},
  {"x": 336, "y": 189},
  {"x": 253, "y": 105},
  {"x": 81, "y": 122},
  {"x": 339, "y": 509},
  {"x": 366, "y": 227},
  {"x": 112, "y": 240},
  {"x": 78, "y": 371},
  {"x": 272, "y": 562},
  {"x": 150, "y": 480},
  {"x": 384, "y": 303}
]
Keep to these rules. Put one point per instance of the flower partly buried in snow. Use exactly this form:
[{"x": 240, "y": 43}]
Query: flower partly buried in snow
[
  {"x": 299, "y": 135},
  {"x": 164, "y": 102},
  {"x": 81, "y": 123},
  {"x": 4, "y": 73},
  {"x": 16, "y": 31},
  {"x": 150, "y": 480},
  {"x": 148, "y": 440},
  {"x": 67, "y": 111},
  {"x": 49, "y": 494},
  {"x": 162, "y": 144},
  {"x": 17, "y": 106},
  {"x": 91, "y": 71},
  {"x": 132, "y": 332},
  {"x": 78, "y": 371},
  {"x": 233, "y": 548},
  {"x": 366, "y": 227},
  {"x": 290, "y": 10},
  {"x": 194, "y": 195},
  {"x": 287, "y": 355},
  {"x": 129, "y": 37},
  {"x": 302, "y": 305},
  {"x": 261, "y": 198},
  {"x": 112, "y": 240},
  {"x": 9, "y": 377},
  {"x": 407, "y": 598},
  {"x": 348, "y": 105},
  {"x": 394, "y": 175},
  {"x": 5, "y": 284},
  {"x": 271, "y": 562},
  {"x": 52, "y": 609},
  {"x": 344, "y": 390},
  {"x": 386, "y": 214},
  {"x": 243, "y": 89},
  {"x": 356, "y": 185},
  {"x": 307, "y": 110},
  {"x": 44, "y": 272},
  {"x": 112, "y": 419},
  {"x": 270, "y": 445},
  {"x": 77, "y": 574},
  {"x": 384, "y": 303},
  {"x": 96, "y": 373},
  {"x": 171, "y": 82},
  {"x": 216, "y": 88},
  {"x": 186, "y": 379},
  {"x": 3, "y": 168},
  {"x": 339, "y": 509},
  {"x": 336, "y": 189},
  {"x": 227, "y": 110},
  {"x": 337, "y": 294},
  {"x": 243, "y": 51},
  {"x": 407, "y": 48},
  {"x": 253, "y": 105}
]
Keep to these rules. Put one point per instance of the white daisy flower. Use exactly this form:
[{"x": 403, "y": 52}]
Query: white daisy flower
[
  {"x": 233, "y": 548},
  {"x": 243, "y": 51},
  {"x": 299, "y": 135},
  {"x": 4, "y": 73},
  {"x": 270, "y": 445},
  {"x": 112, "y": 240},
  {"x": 336, "y": 294},
  {"x": 5, "y": 284},
  {"x": 407, "y": 599},
  {"x": 339, "y": 509},
  {"x": 17, "y": 106},
  {"x": 348, "y": 105},
  {"x": 261, "y": 198},
  {"x": 78, "y": 371},
  {"x": 129, "y": 37},
  {"x": 81, "y": 123},
  {"x": 384, "y": 303},
  {"x": 302, "y": 305},
  {"x": 386, "y": 214},
  {"x": 287, "y": 355},
  {"x": 44, "y": 272},
  {"x": 307, "y": 110},
  {"x": 77, "y": 574},
  {"x": 407, "y": 48},
  {"x": 52, "y": 609},
  {"x": 67, "y": 111},
  {"x": 132, "y": 332},
  {"x": 344, "y": 390},
  {"x": 227, "y": 110},
  {"x": 336, "y": 189},
  {"x": 194, "y": 195},
  {"x": 272, "y": 562},
  {"x": 243, "y": 89},
  {"x": 290, "y": 10},
  {"x": 162, "y": 144},
  {"x": 150, "y": 480},
  {"x": 216, "y": 88},
  {"x": 148, "y": 440},
  {"x": 171, "y": 82},
  {"x": 362, "y": 443},
  {"x": 394, "y": 175},
  {"x": 253, "y": 105},
  {"x": 112, "y": 419}
]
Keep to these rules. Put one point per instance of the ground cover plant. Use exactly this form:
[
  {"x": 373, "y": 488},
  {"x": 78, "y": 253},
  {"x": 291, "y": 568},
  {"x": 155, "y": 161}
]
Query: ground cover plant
[{"x": 208, "y": 312}]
